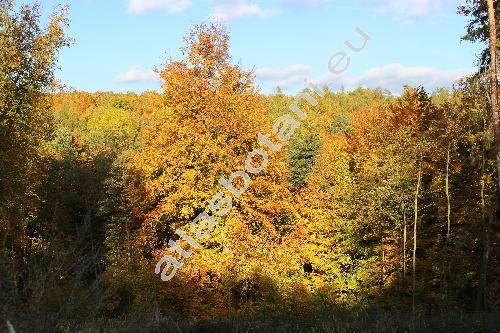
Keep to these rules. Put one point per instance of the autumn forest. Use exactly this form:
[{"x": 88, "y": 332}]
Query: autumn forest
[{"x": 375, "y": 212}]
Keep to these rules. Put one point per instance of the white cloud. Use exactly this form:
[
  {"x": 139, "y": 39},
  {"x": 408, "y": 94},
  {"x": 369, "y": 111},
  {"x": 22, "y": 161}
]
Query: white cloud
[
  {"x": 394, "y": 76},
  {"x": 304, "y": 3},
  {"x": 171, "y": 6},
  {"x": 272, "y": 74},
  {"x": 135, "y": 75},
  {"x": 285, "y": 78},
  {"x": 227, "y": 10},
  {"x": 405, "y": 9},
  {"x": 292, "y": 83}
]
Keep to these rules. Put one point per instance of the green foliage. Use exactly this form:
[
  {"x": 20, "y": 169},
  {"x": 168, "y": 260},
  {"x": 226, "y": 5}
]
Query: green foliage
[
  {"x": 301, "y": 157},
  {"x": 341, "y": 124},
  {"x": 112, "y": 128},
  {"x": 477, "y": 29}
]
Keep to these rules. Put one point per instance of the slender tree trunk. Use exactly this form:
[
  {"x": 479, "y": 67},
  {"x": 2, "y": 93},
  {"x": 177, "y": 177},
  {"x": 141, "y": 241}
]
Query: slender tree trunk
[
  {"x": 447, "y": 187},
  {"x": 404, "y": 244},
  {"x": 494, "y": 83},
  {"x": 482, "y": 299},
  {"x": 383, "y": 261},
  {"x": 446, "y": 268},
  {"x": 485, "y": 223},
  {"x": 415, "y": 238}
]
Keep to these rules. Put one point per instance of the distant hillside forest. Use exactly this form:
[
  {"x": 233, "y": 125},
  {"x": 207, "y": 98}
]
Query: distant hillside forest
[{"x": 377, "y": 204}]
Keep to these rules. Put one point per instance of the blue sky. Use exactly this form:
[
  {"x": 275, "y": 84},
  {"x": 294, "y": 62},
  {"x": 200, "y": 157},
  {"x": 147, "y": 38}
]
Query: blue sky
[{"x": 118, "y": 42}]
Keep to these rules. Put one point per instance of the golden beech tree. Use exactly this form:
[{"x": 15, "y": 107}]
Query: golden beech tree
[{"x": 210, "y": 120}]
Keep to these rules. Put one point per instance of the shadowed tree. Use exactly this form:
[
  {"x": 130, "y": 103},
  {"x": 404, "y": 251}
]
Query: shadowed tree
[{"x": 28, "y": 55}]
